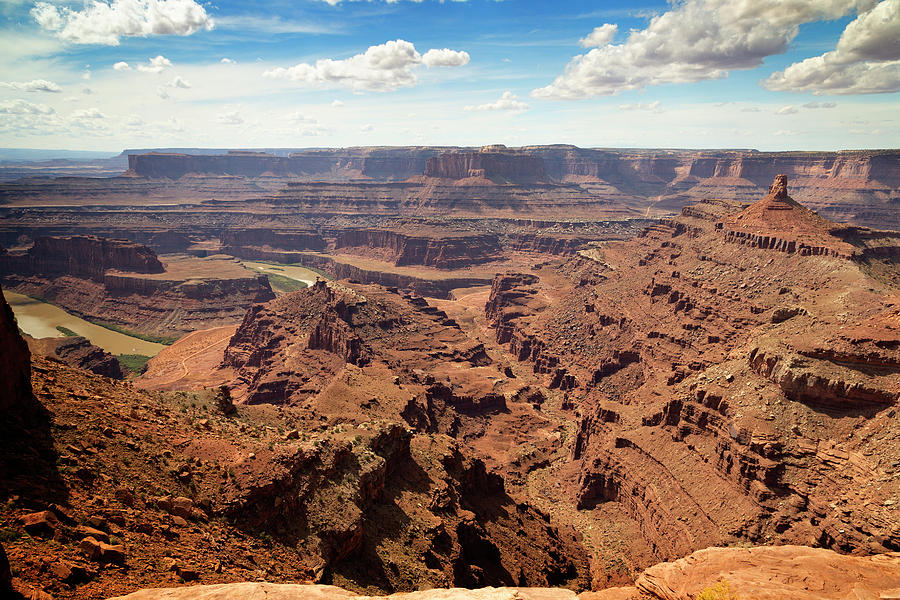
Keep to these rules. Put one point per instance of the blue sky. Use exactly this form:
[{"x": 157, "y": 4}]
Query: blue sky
[{"x": 765, "y": 74}]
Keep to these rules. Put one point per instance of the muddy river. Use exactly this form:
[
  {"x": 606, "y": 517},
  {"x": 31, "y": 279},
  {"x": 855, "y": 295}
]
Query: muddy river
[{"x": 39, "y": 319}]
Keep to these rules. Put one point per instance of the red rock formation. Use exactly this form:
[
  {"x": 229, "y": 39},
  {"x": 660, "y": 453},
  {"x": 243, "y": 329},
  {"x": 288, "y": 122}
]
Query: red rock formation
[
  {"x": 235, "y": 240},
  {"x": 499, "y": 167},
  {"x": 717, "y": 382},
  {"x": 78, "y": 352},
  {"x": 83, "y": 256},
  {"x": 777, "y": 222},
  {"x": 442, "y": 250}
]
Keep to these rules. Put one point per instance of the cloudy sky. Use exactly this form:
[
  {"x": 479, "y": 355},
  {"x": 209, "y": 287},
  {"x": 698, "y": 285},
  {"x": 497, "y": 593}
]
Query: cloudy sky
[{"x": 765, "y": 74}]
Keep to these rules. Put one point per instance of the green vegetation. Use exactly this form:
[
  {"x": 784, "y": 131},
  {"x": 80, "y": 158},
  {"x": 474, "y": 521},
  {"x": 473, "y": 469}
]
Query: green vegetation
[
  {"x": 147, "y": 337},
  {"x": 280, "y": 283},
  {"x": 66, "y": 331},
  {"x": 318, "y": 272},
  {"x": 136, "y": 363}
]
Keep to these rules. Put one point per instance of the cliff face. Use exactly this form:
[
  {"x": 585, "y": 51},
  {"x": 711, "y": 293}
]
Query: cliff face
[
  {"x": 447, "y": 251},
  {"x": 83, "y": 256},
  {"x": 78, "y": 352},
  {"x": 260, "y": 237},
  {"x": 15, "y": 367},
  {"x": 496, "y": 166}
]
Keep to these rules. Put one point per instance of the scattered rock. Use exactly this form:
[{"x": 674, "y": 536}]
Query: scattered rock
[
  {"x": 101, "y": 552},
  {"x": 43, "y": 523}
]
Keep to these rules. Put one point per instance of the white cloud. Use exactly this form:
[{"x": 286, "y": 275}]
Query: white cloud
[
  {"x": 507, "y": 101},
  {"x": 298, "y": 117},
  {"x": 786, "y": 110},
  {"x": 35, "y": 85},
  {"x": 101, "y": 22},
  {"x": 155, "y": 65},
  {"x": 227, "y": 61},
  {"x": 865, "y": 61},
  {"x": 366, "y": 128},
  {"x": 21, "y": 107},
  {"x": 88, "y": 114},
  {"x": 178, "y": 82},
  {"x": 337, "y": 104},
  {"x": 445, "y": 58},
  {"x": 381, "y": 68},
  {"x": 600, "y": 36},
  {"x": 820, "y": 105},
  {"x": 695, "y": 40},
  {"x": 231, "y": 118},
  {"x": 122, "y": 66},
  {"x": 652, "y": 106}
]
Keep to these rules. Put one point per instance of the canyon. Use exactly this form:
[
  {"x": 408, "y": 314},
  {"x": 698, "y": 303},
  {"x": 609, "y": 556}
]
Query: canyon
[
  {"x": 124, "y": 284},
  {"x": 546, "y": 370}
]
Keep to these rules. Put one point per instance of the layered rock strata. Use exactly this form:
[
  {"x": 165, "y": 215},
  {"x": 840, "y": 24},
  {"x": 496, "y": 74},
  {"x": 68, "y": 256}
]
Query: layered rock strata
[{"x": 724, "y": 391}]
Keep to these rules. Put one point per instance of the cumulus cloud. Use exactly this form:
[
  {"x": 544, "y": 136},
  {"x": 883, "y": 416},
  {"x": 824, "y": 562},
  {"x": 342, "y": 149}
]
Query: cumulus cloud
[
  {"x": 176, "y": 83},
  {"x": 381, "y": 68},
  {"x": 227, "y": 61},
  {"x": 865, "y": 61},
  {"x": 507, "y": 101},
  {"x": 155, "y": 65},
  {"x": 21, "y": 107},
  {"x": 101, "y": 22},
  {"x": 786, "y": 110},
  {"x": 122, "y": 66},
  {"x": 695, "y": 40},
  {"x": 35, "y": 85},
  {"x": 600, "y": 36},
  {"x": 445, "y": 57}
]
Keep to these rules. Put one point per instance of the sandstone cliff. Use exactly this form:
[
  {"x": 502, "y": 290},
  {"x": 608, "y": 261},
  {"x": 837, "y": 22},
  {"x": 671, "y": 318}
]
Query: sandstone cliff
[
  {"x": 78, "y": 352},
  {"x": 82, "y": 256},
  {"x": 499, "y": 167},
  {"x": 442, "y": 250}
]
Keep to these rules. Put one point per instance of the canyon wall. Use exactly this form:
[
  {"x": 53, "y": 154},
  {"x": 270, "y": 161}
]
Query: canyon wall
[
  {"x": 442, "y": 250},
  {"x": 82, "y": 256},
  {"x": 15, "y": 367},
  {"x": 859, "y": 187},
  {"x": 496, "y": 166}
]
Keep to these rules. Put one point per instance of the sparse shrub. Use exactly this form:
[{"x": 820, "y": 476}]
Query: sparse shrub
[{"x": 720, "y": 591}]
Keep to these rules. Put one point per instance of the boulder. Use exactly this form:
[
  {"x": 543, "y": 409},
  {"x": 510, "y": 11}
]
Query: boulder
[{"x": 42, "y": 523}]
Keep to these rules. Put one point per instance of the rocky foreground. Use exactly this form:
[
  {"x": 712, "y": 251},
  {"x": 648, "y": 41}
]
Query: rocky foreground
[{"x": 763, "y": 573}]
